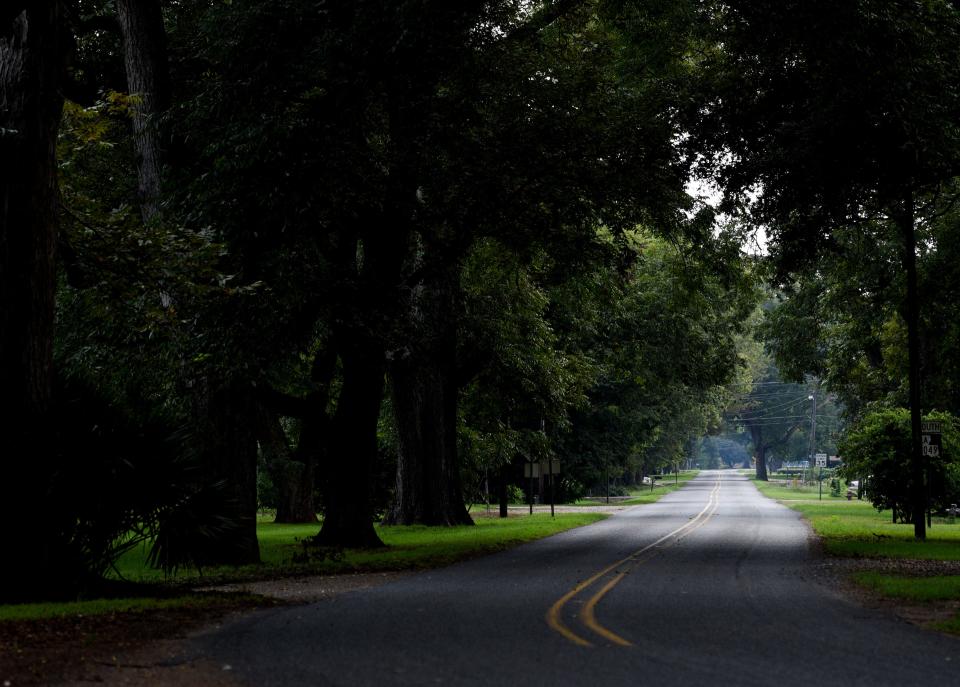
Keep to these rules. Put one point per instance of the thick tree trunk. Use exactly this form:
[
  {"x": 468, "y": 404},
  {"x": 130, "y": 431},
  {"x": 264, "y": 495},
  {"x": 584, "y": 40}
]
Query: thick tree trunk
[
  {"x": 227, "y": 424},
  {"x": 31, "y": 64},
  {"x": 348, "y": 477},
  {"x": 905, "y": 222},
  {"x": 424, "y": 393},
  {"x": 762, "y": 463},
  {"x": 148, "y": 81},
  {"x": 756, "y": 436},
  {"x": 293, "y": 478}
]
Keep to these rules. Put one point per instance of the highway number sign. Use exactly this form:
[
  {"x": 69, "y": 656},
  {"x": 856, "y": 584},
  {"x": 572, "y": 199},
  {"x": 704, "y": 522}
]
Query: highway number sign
[
  {"x": 931, "y": 445},
  {"x": 932, "y": 438}
]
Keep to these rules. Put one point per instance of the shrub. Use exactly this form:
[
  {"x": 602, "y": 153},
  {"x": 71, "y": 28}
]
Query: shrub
[{"x": 877, "y": 449}]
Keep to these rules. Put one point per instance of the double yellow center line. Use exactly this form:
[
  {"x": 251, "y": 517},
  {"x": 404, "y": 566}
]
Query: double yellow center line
[{"x": 588, "y": 616}]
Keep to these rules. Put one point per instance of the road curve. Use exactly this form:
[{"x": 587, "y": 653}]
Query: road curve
[{"x": 710, "y": 585}]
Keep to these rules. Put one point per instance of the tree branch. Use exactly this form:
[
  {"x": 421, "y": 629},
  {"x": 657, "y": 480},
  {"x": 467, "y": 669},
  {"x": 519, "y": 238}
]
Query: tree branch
[{"x": 543, "y": 19}]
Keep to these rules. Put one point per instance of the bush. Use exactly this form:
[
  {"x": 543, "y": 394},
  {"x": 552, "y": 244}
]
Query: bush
[{"x": 515, "y": 494}]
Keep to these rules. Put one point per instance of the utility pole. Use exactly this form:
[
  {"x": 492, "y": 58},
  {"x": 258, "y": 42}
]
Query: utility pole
[{"x": 813, "y": 428}]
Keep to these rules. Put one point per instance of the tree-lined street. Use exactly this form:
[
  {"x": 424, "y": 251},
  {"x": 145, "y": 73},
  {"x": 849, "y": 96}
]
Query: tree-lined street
[
  {"x": 293, "y": 289},
  {"x": 731, "y": 599}
]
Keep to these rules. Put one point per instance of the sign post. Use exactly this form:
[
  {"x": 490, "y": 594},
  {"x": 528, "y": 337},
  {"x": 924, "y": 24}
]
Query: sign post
[
  {"x": 553, "y": 467},
  {"x": 931, "y": 437},
  {"x": 531, "y": 470},
  {"x": 821, "y": 459}
]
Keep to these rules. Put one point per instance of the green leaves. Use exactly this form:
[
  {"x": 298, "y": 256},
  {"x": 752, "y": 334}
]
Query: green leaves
[{"x": 877, "y": 450}]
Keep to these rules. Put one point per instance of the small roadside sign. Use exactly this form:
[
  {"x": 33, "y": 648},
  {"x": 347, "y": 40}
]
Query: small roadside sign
[
  {"x": 544, "y": 467},
  {"x": 932, "y": 438},
  {"x": 932, "y": 444},
  {"x": 821, "y": 460}
]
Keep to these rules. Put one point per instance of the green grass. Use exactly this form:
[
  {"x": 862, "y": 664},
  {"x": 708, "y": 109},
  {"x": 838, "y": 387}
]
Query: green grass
[
  {"x": 281, "y": 550},
  {"x": 407, "y": 547},
  {"x": 952, "y": 626},
  {"x": 938, "y": 588},
  {"x": 47, "y": 610},
  {"x": 855, "y": 528}
]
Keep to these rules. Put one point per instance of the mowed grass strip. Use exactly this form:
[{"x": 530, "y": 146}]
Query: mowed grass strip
[
  {"x": 283, "y": 554},
  {"x": 934, "y": 588},
  {"x": 855, "y": 529},
  {"x": 282, "y": 549},
  {"x": 93, "y": 607}
]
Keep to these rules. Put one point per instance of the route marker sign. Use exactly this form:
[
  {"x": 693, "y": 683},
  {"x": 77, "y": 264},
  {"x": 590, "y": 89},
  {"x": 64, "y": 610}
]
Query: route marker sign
[
  {"x": 932, "y": 438},
  {"x": 821, "y": 459}
]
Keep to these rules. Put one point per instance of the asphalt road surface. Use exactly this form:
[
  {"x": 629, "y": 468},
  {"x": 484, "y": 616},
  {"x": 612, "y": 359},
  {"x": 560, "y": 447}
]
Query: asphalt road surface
[{"x": 711, "y": 585}]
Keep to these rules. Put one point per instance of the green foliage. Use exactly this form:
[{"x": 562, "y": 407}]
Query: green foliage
[
  {"x": 877, "y": 449},
  {"x": 832, "y": 110},
  {"x": 842, "y": 321},
  {"x": 118, "y": 481}
]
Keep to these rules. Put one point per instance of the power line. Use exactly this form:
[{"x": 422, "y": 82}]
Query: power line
[
  {"x": 805, "y": 416},
  {"x": 762, "y": 384},
  {"x": 776, "y": 406}
]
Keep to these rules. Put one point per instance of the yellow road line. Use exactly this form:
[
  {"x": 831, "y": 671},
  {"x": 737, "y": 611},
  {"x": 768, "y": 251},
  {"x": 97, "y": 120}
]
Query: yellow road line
[
  {"x": 589, "y": 617},
  {"x": 590, "y": 620},
  {"x": 554, "y": 614}
]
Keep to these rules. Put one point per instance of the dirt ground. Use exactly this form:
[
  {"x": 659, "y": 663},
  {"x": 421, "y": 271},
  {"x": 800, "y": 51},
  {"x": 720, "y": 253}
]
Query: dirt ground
[{"x": 147, "y": 647}]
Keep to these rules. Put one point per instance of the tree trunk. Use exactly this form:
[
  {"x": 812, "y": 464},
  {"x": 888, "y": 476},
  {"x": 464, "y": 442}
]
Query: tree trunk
[
  {"x": 31, "y": 64},
  {"x": 348, "y": 477},
  {"x": 227, "y": 417},
  {"x": 293, "y": 478},
  {"x": 502, "y": 483},
  {"x": 905, "y": 222},
  {"x": 424, "y": 393},
  {"x": 148, "y": 82},
  {"x": 756, "y": 436}
]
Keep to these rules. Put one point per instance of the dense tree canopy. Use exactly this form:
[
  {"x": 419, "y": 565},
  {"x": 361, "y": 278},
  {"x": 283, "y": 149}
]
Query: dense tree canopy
[{"x": 351, "y": 260}]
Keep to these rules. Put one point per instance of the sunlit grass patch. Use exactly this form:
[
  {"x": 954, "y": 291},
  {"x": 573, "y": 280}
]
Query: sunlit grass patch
[
  {"x": 283, "y": 552},
  {"x": 936, "y": 588},
  {"x": 856, "y": 529}
]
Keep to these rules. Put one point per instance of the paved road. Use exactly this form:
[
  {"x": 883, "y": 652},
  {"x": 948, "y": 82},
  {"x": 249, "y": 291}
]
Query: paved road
[{"x": 711, "y": 585}]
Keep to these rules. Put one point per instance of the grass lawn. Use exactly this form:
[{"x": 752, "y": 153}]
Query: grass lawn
[
  {"x": 856, "y": 529},
  {"x": 47, "y": 610},
  {"x": 936, "y": 588},
  {"x": 283, "y": 554}
]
